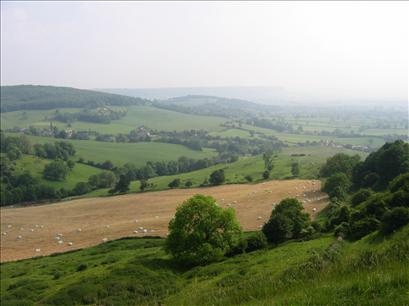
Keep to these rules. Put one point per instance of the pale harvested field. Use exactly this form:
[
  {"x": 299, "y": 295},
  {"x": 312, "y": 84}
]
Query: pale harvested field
[{"x": 119, "y": 216}]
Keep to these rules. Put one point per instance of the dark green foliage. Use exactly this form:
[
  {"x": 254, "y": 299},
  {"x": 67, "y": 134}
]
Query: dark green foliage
[
  {"x": 363, "y": 227},
  {"x": 122, "y": 185},
  {"x": 278, "y": 229},
  {"x": 48, "y": 97},
  {"x": 337, "y": 185},
  {"x": 248, "y": 178},
  {"x": 82, "y": 267},
  {"x": 399, "y": 198},
  {"x": 217, "y": 177},
  {"x": 143, "y": 184},
  {"x": 382, "y": 166},
  {"x": 81, "y": 188},
  {"x": 295, "y": 169},
  {"x": 342, "y": 230},
  {"x": 360, "y": 196},
  {"x": 188, "y": 183},
  {"x": 287, "y": 221},
  {"x": 266, "y": 174},
  {"x": 175, "y": 183},
  {"x": 105, "y": 179},
  {"x": 201, "y": 231},
  {"x": 56, "y": 171},
  {"x": 400, "y": 182},
  {"x": 59, "y": 149},
  {"x": 376, "y": 205},
  {"x": 339, "y": 163},
  {"x": 395, "y": 219},
  {"x": 256, "y": 241}
]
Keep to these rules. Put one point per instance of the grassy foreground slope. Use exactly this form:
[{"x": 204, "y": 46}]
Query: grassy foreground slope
[
  {"x": 121, "y": 153},
  {"x": 323, "y": 271}
]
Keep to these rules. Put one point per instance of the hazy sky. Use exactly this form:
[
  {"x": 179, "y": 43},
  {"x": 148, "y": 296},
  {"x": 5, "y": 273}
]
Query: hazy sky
[{"x": 343, "y": 49}]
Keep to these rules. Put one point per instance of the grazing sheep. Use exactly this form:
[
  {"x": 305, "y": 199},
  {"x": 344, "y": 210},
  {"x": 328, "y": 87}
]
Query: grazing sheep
[
  {"x": 145, "y": 230},
  {"x": 9, "y": 226},
  {"x": 41, "y": 226},
  {"x": 31, "y": 230},
  {"x": 60, "y": 242},
  {"x": 136, "y": 221},
  {"x": 259, "y": 218},
  {"x": 104, "y": 239},
  {"x": 314, "y": 209},
  {"x": 38, "y": 250},
  {"x": 135, "y": 232},
  {"x": 4, "y": 233},
  {"x": 19, "y": 237},
  {"x": 141, "y": 227},
  {"x": 79, "y": 230},
  {"x": 70, "y": 243},
  {"x": 57, "y": 238}
]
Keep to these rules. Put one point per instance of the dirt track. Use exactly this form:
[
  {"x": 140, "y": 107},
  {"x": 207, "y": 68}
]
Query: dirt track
[{"x": 32, "y": 231}]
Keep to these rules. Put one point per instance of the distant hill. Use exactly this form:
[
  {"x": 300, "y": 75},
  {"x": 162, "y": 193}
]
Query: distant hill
[
  {"x": 213, "y": 106},
  {"x": 23, "y": 97}
]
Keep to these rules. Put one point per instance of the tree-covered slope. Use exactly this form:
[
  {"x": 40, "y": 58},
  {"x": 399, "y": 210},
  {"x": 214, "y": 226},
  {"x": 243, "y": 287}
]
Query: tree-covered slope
[{"x": 21, "y": 97}]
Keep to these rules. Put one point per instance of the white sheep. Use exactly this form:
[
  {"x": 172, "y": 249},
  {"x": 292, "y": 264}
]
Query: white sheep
[
  {"x": 38, "y": 250},
  {"x": 79, "y": 230},
  {"x": 145, "y": 230},
  {"x": 141, "y": 227},
  {"x": 19, "y": 237},
  {"x": 259, "y": 218},
  {"x": 135, "y": 232},
  {"x": 104, "y": 239},
  {"x": 70, "y": 243},
  {"x": 4, "y": 233},
  {"x": 314, "y": 209},
  {"x": 60, "y": 242},
  {"x": 31, "y": 230},
  {"x": 9, "y": 226}
]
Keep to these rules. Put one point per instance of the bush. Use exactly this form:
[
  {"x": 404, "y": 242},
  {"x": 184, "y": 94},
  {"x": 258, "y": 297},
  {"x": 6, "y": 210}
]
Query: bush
[
  {"x": 342, "y": 230},
  {"x": 189, "y": 183},
  {"x": 248, "y": 178},
  {"x": 217, "y": 177},
  {"x": 56, "y": 171},
  {"x": 399, "y": 198},
  {"x": 201, "y": 231},
  {"x": 278, "y": 229},
  {"x": 400, "y": 182},
  {"x": 256, "y": 241},
  {"x": 266, "y": 174},
  {"x": 81, "y": 188},
  {"x": 395, "y": 219},
  {"x": 175, "y": 183},
  {"x": 360, "y": 196},
  {"x": 363, "y": 227},
  {"x": 337, "y": 186}
]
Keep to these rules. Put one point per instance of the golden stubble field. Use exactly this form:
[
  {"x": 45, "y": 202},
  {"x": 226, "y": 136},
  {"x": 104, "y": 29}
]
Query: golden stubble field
[{"x": 42, "y": 230}]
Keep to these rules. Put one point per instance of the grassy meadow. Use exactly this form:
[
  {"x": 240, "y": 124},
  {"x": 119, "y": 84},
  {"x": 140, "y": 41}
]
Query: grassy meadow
[
  {"x": 321, "y": 271},
  {"x": 154, "y": 118},
  {"x": 254, "y": 166},
  {"x": 121, "y": 153},
  {"x": 35, "y": 166}
]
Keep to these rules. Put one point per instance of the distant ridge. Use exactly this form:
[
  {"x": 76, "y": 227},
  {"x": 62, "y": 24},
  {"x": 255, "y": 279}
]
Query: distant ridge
[{"x": 31, "y": 97}]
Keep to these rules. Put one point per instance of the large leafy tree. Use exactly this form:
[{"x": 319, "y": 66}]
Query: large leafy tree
[
  {"x": 217, "y": 177},
  {"x": 201, "y": 231},
  {"x": 56, "y": 171},
  {"x": 288, "y": 220}
]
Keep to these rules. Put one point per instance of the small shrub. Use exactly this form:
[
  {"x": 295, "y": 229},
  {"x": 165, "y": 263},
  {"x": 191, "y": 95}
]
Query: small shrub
[
  {"x": 82, "y": 267},
  {"x": 248, "y": 178},
  {"x": 256, "y": 241}
]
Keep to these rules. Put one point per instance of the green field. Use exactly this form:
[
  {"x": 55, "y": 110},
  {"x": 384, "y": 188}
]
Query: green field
[
  {"x": 36, "y": 165},
  {"x": 371, "y": 271},
  {"x": 253, "y": 166},
  {"x": 154, "y": 118},
  {"x": 121, "y": 153}
]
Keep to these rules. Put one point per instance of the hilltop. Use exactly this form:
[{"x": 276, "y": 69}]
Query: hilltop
[{"x": 27, "y": 97}]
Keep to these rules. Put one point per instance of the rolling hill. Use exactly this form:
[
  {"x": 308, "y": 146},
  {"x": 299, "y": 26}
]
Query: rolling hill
[{"x": 25, "y": 97}]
